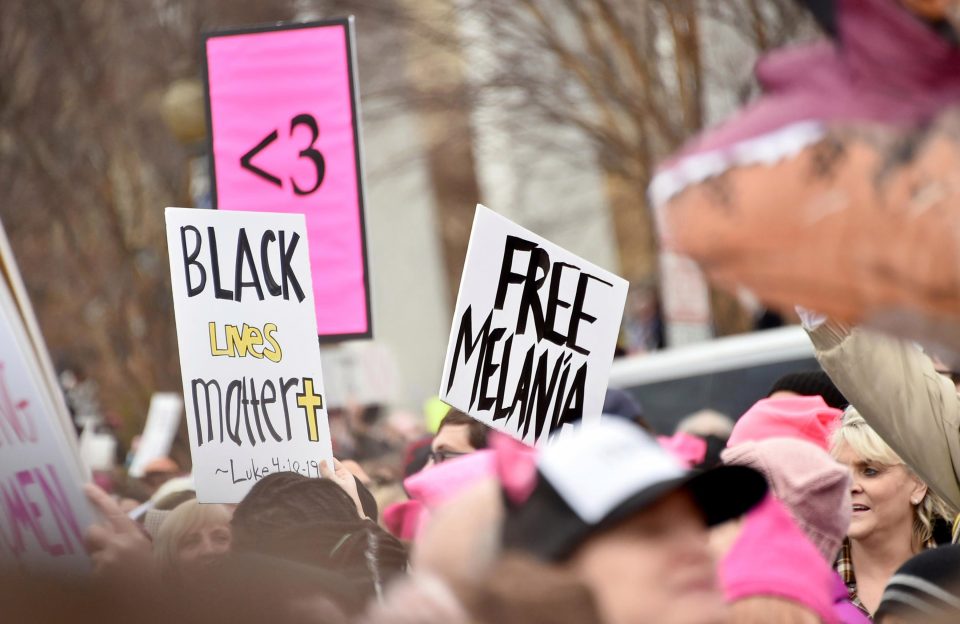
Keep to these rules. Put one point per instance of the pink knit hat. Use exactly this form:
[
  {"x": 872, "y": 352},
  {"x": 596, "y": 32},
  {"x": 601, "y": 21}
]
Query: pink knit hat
[
  {"x": 511, "y": 462},
  {"x": 813, "y": 487},
  {"x": 689, "y": 449},
  {"x": 772, "y": 557},
  {"x": 807, "y": 418},
  {"x": 405, "y": 519}
]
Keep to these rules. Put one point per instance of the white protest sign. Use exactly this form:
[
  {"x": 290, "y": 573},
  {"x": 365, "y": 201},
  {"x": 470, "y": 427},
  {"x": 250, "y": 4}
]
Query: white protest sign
[
  {"x": 533, "y": 333},
  {"x": 249, "y": 356},
  {"x": 43, "y": 511},
  {"x": 163, "y": 420},
  {"x": 18, "y": 290},
  {"x": 97, "y": 450}
]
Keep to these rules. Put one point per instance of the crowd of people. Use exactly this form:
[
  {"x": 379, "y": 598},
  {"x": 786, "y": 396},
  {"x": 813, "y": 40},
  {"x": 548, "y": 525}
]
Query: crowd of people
[
  {"x": 834, "y": 499},
  {"x": 831, "y": 500}
]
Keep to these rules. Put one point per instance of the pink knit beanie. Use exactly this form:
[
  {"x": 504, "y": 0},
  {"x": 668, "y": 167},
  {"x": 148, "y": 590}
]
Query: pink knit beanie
[
  {"x": 807, "y": 418},
  {"x": 772, "y": 557},
  {"x": 689, "y": 449},
  {"x": 810, "y": 483}
]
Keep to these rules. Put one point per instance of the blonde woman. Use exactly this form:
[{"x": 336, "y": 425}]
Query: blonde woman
[
  {"x": 893, "y": 512},
  {"x": 190, "y": 538}
]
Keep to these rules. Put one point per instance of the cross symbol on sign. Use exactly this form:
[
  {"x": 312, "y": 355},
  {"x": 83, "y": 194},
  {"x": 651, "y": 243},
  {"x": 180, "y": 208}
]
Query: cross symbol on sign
[{"x": 310, "y": 402}]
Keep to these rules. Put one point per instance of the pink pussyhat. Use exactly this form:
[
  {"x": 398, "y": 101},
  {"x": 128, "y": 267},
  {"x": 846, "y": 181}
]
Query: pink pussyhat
[
  {"x": 511, "y": 462},
  {"x": 433, "y": 486},
  {"x": 806, "y": 417},
  {"x": 808, "y": 481},
  {"x": 405, "y": 520},
  {"x": 772, "y": 557},
  {"x": 689, "y": 449}
]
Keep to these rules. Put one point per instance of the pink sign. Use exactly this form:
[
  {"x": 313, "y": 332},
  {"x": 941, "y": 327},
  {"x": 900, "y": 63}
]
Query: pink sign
[{"x": 284, "y": 136}]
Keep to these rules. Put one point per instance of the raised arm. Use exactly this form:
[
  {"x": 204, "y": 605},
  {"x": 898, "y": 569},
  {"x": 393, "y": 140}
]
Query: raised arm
[{"x": 896, "y": 389}]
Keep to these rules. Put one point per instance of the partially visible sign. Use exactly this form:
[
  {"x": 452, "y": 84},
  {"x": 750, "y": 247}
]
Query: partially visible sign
[
  {"x": 252, "y": 381},
  {"x": 533, "y": 333},
  {"x": 163, "y": 420},
  {"x": 10, "y": 272},
  {"x": 43, "y": 511},
  {"x": 686, "y": 300},
  {"x": 360, "y": 373},
  {"x": 284, "y": 133}
]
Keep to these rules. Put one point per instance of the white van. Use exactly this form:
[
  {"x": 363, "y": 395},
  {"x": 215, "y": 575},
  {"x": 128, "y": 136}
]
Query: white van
[{"x": 727, "y": 374}]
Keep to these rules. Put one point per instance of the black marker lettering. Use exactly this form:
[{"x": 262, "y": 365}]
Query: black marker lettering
[{"x": 191, "y": 259}]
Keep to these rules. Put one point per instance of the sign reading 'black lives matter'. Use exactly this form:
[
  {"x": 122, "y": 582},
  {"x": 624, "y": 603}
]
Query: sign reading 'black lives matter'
[
  {"x": 533, "y": 333},
  {"x": 252, "y": 384}
]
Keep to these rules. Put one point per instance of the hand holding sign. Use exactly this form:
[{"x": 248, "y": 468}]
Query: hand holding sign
[
  {"x": 118, "y": 547},
  {"x": 252, "y": 380},
  {"x": 345, "y": 479}
]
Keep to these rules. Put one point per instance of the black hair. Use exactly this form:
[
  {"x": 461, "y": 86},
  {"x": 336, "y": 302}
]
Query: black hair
[
  {"x": 314, "y": 521},
  {"x": 811, "y": 383},
  {"x": 825, "y": 13}
]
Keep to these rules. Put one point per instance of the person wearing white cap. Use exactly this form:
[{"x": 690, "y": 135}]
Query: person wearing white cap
[{"x": 621, "y": 513}]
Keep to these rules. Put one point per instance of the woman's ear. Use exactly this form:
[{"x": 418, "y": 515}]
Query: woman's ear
[{"x": 918, "y": 492}]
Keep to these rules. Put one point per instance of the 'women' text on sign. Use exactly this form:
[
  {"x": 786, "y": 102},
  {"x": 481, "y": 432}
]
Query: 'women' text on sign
[{"x": 43, "y": 510}]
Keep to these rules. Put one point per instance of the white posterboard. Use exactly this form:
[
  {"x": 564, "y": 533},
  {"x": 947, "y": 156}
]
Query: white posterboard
[
  {"x": 9, "y": 271},
  {"x": 43, "y": 511},
  {"x": 533, "y": 332},
  {"x": 249, "y": 356},
  {"x": 163, "y": 420}
]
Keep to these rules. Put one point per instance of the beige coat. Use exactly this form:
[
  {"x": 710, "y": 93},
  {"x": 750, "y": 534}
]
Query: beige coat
[{"x": 898, "y": 392}]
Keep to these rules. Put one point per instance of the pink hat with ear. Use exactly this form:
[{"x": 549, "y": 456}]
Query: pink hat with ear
[
  {"x": 808, "y": 481},
  {"x": 689, "y": 449},
  {"x": 807, "y": 418},
  {"x": 772, "y": 557},
  {"x": 511, "y": 462},
  {"x": 406, "y": 519}
]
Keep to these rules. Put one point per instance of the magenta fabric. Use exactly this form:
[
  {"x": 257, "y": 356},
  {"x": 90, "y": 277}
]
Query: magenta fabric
[
  {"x": 847, "y": 612},
  {"x": 689, "y": 449},
  {"x": 511, "y": 462},
  {"x": 772, "y": 557},
  {"x": 435, "y": 485},
  {"x": 806, "y": 418},
  {"x": 405, "y": 520},
  {"x": 260, "y": 83},
  {"x": 887, "y": 67},
  {"x": 516, "y": 466}
]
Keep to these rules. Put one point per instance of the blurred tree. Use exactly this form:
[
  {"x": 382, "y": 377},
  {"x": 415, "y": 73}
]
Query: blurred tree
[
  {"x": 93, "y": 94},
  {"x": 635, "y": 78},
  {"x": 87, "y": 163},
  {"x": 86, "y": 168}
]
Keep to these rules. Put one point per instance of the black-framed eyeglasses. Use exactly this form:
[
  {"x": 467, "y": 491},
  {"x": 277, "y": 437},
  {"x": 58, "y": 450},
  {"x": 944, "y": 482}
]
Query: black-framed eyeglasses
[{"x": 438, "y": 457}]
